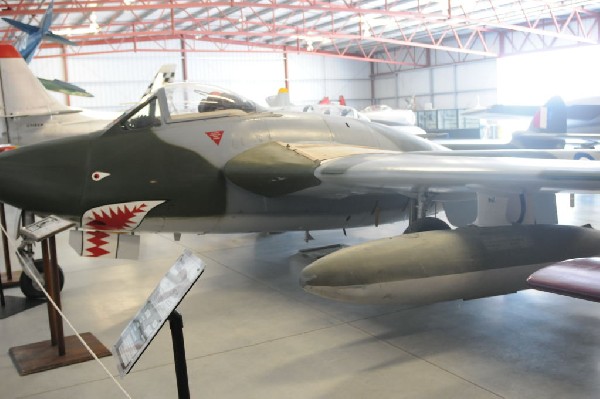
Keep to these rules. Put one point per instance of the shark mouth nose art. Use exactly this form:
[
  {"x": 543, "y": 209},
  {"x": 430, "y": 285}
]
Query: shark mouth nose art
[{"x": 118, "y": 217}]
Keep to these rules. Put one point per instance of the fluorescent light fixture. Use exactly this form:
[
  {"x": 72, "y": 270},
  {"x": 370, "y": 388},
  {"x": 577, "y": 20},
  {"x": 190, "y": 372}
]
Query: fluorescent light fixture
[
  {"x": 93, "y": 28},
  {"x": 374, "y": 20}
]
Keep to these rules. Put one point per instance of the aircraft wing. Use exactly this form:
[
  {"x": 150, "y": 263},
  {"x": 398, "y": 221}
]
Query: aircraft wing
[
  {"x": 29, "y": 29},
  {"x": 579, "y": 278},
  {"x": 64, "y": 87},
  {"x": 500, "y": 111},
  {"x": 414, "y": 173},
  {"x": 278, "y": 168},
  {"x": 58, "y": 39}
]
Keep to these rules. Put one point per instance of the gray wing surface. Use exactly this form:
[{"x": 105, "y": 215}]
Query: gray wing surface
[{"x": 412, "y": 173}]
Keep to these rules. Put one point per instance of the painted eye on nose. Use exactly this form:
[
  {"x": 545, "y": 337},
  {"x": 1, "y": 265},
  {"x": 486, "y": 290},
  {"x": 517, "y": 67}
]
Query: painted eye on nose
[{"x": 97, "y": 176}]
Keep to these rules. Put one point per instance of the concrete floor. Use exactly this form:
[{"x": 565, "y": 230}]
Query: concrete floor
[{"x": 251, "y": 332}]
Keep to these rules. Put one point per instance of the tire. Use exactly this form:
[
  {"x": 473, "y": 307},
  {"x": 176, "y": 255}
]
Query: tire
[
  {"x": 29, "y": 287},
  {"x": 426, "y": 224}
]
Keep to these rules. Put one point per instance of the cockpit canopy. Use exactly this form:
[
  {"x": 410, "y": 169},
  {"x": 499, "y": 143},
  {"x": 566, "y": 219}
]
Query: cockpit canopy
[
  {"x": 180, "y": 102},
  {"x": 193, "y": 101}
]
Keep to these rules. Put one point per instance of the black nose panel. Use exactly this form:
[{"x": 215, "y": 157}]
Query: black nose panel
[{"x": 46, "y": 177}]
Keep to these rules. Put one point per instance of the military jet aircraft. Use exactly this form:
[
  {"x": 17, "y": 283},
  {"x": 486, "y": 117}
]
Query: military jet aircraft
[{"x": 194, "y": 158}]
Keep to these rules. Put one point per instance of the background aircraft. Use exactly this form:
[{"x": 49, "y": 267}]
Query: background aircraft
[
  {"x": 29, "y": 114},
  {"x": 281, "y": 102},
  {"x": 197, "y": 159},
  {"x": 386, "y": 115},
  {"x": 552, "y": 125},
  {"x": 28, "y": 43}
]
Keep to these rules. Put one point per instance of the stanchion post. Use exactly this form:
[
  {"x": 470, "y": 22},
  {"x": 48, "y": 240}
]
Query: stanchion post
[
  {"x": 55, "y": 275},
  {"x": 49, "y": 281},
  {"x": 2, "y": 300},
  {"x": 7, "y": 264}
]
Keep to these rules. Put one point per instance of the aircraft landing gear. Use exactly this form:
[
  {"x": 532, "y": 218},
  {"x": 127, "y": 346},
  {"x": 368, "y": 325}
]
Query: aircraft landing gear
[
  {"x": 27, "y": 284},
  {"x": 426, "y": 224},
  {"x": 30, "y": 288},
  {"x": 418, "y": 221}
]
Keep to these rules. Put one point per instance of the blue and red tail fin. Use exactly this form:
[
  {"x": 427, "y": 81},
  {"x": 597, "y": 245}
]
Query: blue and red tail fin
[{"x": 550, "y": 118}]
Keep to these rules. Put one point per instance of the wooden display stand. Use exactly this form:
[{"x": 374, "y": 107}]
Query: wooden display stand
[
  {"x": 9, "y": 278},
  {"x": 11, "y": 305},
  {"x": 58, "y": 351}
]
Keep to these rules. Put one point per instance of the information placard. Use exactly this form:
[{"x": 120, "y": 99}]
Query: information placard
[
  {"x": 45, "y": 228},
  {"x": 169, "y": 292}
]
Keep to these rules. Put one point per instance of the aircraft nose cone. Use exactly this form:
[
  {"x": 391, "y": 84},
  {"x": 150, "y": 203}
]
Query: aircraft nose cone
[
  {"x": 307, "y": 277},
  {"x": 330, "y": 276},
  {"x": 46, "y": 177}
]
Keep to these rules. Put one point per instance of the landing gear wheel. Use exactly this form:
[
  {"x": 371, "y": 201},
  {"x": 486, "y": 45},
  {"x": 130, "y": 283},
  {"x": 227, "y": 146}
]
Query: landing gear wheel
[
  {"x": 426, "y": 224},
  {"x": 30, "y": 288}
]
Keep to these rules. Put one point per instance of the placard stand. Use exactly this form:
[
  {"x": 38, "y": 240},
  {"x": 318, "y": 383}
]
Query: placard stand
[
  {"x": 11, "y": 305},
  {"x": 158, "y": 308},
  {"x": 59, "y": 351}
]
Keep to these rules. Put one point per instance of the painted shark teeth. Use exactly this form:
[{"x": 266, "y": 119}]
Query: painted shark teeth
[{"x": 117, "y": 217}]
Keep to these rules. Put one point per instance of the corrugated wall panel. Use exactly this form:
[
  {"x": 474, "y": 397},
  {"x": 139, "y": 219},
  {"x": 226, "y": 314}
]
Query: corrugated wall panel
[
  {"x": 118, "y": 80},
  {"x": 478, "y": 98},
  {"x": 476, "y": 75},
  {"x": 313, "y": 77},
  {"x": 255, "y": 76},
  {"x": 348, "y": 78},
  {"x": 444, "y": 79},
  {"x": 444, "y": 101},
  {"x": 451, "y": 86},
  {"x": 385, "y": 88},
  {"x": 414, "y": 83}
]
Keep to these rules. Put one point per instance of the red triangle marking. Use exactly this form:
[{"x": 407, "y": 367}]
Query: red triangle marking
[{"x": 216, "y": 136}]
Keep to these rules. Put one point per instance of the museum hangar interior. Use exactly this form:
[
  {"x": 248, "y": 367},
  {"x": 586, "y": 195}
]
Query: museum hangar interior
[{"x": 301, "y": 178}]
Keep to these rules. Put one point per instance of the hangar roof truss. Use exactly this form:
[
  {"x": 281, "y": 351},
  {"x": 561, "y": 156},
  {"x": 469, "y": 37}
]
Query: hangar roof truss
[{"x": 387, "y": 31}]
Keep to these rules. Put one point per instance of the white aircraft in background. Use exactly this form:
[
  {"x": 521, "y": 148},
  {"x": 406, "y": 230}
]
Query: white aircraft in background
[
  {"x": 385, "y": 115},
  {"x": 281, "y": 102},
  {"x": 29, "y": 114},
  {"x": 399, "y": 123}
]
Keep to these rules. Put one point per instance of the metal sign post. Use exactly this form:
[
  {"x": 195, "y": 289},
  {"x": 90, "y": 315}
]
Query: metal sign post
[
  {"x": 159, "y": 308},
  {"x": 2, "y": 300},
  {"x": 176, "y": 324}
]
